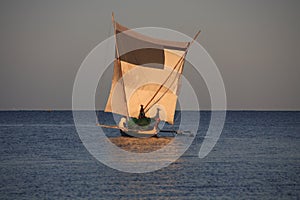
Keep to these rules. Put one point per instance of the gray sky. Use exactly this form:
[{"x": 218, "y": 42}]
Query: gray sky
[{"x": 254, "y": 43}]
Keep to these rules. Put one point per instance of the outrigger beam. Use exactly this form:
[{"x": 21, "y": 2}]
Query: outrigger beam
[{"x": 108, "y": 126}]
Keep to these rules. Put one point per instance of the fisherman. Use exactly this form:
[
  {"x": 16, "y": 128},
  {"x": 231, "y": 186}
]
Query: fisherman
[{"x": 142, "y": 113}]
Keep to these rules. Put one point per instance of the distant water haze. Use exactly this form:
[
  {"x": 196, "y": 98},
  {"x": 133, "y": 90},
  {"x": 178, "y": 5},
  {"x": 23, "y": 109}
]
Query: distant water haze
[{"x": 255, "y": 45}]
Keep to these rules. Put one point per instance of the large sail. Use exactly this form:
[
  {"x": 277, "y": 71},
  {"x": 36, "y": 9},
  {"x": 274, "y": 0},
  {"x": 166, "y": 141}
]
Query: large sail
[{"x": 147, "y": 72}]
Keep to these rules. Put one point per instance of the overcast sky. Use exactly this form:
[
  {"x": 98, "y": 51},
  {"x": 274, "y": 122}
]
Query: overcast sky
[{"x": 254, "y": 43}]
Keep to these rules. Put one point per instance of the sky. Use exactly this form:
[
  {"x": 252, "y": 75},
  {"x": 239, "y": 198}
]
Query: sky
[{"x": 255, "y": 45}]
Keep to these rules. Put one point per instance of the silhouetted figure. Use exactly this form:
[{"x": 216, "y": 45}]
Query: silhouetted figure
[
  {"x": 157, "y": 113},
  {"x": 142, "y": 113}
]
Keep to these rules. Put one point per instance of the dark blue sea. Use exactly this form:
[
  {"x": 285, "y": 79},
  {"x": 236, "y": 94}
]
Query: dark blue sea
[{"x": 256, "y": 157}]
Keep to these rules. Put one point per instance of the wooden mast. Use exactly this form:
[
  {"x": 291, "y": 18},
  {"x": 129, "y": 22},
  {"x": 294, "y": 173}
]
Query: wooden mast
[{"x": 119, "y": 63}]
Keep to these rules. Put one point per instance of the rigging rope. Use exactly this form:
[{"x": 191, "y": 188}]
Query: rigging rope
[
  {"x": 181, "y": 59},
  {"x": 165, "y": 92},
  {"x": 163, "y": 83}
]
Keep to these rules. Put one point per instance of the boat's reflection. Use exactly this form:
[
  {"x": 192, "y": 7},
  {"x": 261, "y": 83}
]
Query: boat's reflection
[{"x": 141, "y": 145}]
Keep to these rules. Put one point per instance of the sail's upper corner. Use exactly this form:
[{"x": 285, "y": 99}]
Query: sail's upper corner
[{"x": 141, "y": 37}]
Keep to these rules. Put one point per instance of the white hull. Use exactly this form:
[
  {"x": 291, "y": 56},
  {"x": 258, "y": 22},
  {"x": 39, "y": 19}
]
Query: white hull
[{"x": 137, "y": 133}]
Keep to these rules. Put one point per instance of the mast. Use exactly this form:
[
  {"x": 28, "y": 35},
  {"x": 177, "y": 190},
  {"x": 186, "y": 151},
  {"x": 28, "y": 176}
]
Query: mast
[{"x": 119, "y": 63}]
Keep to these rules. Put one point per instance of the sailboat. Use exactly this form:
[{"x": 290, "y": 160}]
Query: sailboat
[{"x": 147, "y": 73}]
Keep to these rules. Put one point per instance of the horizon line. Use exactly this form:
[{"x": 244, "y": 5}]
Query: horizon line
[{"x": 50, "y": 110}]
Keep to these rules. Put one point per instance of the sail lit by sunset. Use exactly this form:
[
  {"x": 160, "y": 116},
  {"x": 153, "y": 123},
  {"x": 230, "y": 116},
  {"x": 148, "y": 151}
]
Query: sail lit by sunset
[{"x": 147, "y": 72}]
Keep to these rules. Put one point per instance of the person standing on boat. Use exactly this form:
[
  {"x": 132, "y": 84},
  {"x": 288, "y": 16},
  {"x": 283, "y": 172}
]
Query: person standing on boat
[{"x": 142, "y": 113}]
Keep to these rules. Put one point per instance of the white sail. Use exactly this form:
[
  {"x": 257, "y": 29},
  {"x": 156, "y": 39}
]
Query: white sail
[{"x": 147, "y": 72}]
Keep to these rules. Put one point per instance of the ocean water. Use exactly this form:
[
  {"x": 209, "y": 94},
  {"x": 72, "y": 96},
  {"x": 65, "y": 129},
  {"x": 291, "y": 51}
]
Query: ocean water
[{"x": 256, "y": 157}]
